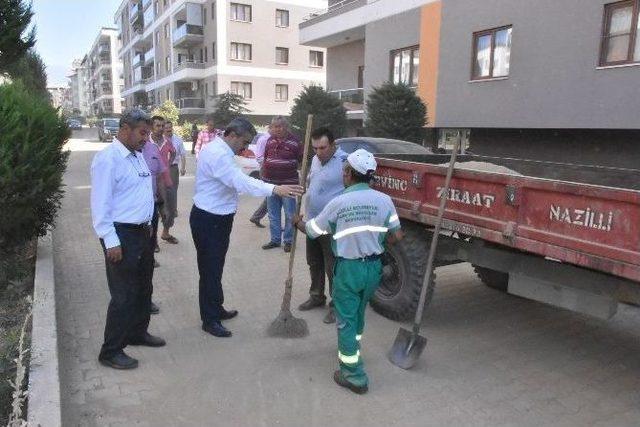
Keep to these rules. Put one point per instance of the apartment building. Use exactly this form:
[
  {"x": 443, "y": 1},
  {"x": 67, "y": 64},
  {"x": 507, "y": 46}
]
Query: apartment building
[
  {"x": 60, "y": 97},
  {"x": 104, "y": 71},
  {"x": 551, "y": 79},
  {"x": 191, "y": 51},
  {"x": 79, "y": 87}
]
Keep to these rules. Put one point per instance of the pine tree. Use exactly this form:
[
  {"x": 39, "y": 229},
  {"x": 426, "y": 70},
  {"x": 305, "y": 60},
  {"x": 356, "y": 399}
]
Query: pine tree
[
  {"x": 395, "y": 111},
  {"x": 327, "y": 111},
  {"x": 15, "y": 17},
  {"x": 30, "y": 69},
  {"x": 228, "y": 107}
]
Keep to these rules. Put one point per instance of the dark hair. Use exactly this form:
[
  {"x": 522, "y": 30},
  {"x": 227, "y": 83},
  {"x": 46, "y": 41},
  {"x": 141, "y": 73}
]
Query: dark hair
[
  {"x": 240, "y": 126},
  {"x": 360, "y": 177},
  {"x": 210, "y": 119},
  {"x": 168, "y": 122},
  {"x": 134, "y": 117},
  {"x": 154, "y": 118},
  {"x": 323, "y": 131}
]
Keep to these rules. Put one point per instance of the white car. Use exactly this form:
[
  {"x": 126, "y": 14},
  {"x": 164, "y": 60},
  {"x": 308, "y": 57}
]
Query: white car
[{"x": 247, "y": 162}]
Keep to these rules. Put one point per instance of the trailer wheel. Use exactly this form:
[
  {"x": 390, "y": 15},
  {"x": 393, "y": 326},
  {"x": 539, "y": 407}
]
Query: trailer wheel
[
  {"x": 493, "y": 278},
  {"x": 404, "y": 266}
]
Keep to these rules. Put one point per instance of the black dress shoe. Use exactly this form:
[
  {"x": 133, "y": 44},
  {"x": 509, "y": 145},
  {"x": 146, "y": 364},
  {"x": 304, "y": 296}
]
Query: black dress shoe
[
  {"x": 216, "y": 329},
  {"x": 343, "y": 382},
  {"x": 287, "y": 247},
  {"x": 148, "y": 340},
  {"x": 226, "y": 315},
  {"x": 312, "y": 302},
  {"x": 257, "y": 223},
  {"x": 154, "y": 308},
  {"x": 271, "y": 245},
  {"x": 119, "y": 361}
]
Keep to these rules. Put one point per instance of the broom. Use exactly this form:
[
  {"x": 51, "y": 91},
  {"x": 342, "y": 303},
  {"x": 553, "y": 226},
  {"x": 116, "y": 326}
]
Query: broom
[{"x": 286, "y": 325}]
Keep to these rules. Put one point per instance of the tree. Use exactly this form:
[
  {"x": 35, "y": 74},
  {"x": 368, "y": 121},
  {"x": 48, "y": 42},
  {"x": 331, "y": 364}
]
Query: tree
[
  {"x": 395, "y": 111},
  {"x": 168, "y": 110},
  {"x": 30, "y": 69},
  {"x": 228, "y": 107},
  {"x": 15, "y": 18},
  {"x": 327, "y": 111}
]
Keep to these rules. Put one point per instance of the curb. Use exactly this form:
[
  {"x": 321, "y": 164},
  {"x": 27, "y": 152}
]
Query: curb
[{"x": 44, "y": 378}]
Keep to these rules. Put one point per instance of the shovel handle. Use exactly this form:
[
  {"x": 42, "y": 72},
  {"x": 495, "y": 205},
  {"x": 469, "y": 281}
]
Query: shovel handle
[{"x": 436, "y": 232}]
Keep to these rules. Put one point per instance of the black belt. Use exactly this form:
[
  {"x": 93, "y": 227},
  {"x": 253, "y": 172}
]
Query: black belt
[
  {"x": 373, "y": 257},
  {"x": 132, "y": 226}
]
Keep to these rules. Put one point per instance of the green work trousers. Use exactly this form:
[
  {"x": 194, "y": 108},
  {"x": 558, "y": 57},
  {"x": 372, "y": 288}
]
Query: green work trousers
[{"x": 354, "y": 283}]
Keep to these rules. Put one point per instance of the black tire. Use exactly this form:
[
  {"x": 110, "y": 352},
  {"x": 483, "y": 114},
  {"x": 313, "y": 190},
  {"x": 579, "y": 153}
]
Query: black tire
[
  {"x": 404, "y": 266},
  {"x": 492, "y": 278}
]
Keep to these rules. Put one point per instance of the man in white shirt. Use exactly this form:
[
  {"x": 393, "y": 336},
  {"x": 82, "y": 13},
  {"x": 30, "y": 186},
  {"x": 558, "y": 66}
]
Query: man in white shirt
[
  {"x": 122, "y": 208},
  {"x": 261, "y": 212},
  {"x": 170, "y": 208},
  {"x": 218, "y": 182}
]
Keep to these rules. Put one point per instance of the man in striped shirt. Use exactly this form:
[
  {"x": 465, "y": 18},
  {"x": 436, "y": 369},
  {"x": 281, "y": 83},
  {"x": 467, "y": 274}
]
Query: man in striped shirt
[{"x": 282, "y": 155}]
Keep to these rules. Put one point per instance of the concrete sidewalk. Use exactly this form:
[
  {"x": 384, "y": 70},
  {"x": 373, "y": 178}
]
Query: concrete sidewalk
[{"x": 492, "y": 359}]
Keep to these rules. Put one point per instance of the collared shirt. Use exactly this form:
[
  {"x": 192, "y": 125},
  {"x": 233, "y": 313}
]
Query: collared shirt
[
  {"x": 158, "y": 168},
  {"x": 219, "y": 180},
  {"x": 260, "y": 144},
  {"x": 205, "y": 137},
  {"x": 178, "y": 144},
  {"x": 121, "y": 191},
  {"x": 281, "y": 158},
  {"x": 358, "y": 219},
  {"x": 325, "y": 182}
]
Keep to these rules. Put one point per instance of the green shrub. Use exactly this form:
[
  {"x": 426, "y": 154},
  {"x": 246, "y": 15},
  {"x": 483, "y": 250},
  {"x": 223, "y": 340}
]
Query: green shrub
[
  {"x": 168, "y": 110},
  {"x": 327, "y": 111},
  {"x": 183, "y": 130},
  {"x": 395, "y": 111},
  {"x": 32, "y": 163}
]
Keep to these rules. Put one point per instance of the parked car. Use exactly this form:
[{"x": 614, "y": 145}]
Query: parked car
[
  {"x": 246, "y": 160},
  {"x": 74, "y": 124},
  {"x": 107, "y": 128},
  {"x": 381, "y": 146}
]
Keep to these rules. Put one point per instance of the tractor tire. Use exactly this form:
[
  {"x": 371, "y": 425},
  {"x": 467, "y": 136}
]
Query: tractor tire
[
  {"x": 493, "y": 278},
  {"x": 403, "y": 271}
]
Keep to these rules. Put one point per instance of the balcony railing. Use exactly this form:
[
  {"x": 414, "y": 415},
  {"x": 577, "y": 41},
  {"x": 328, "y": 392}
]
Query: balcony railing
[
  {"x": 188, "y": 63},
  {"x": 190, "y": 103},
  {"x": 353, "y": 96},
  {"x": 150, "y": 55},
  {"x": 334, "y": 8},
  {"x": 188, "y": 34}
]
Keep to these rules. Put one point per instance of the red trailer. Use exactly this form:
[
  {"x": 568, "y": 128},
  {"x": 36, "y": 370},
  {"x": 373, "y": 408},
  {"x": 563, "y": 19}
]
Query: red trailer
[{"x": 572, "y": 244}]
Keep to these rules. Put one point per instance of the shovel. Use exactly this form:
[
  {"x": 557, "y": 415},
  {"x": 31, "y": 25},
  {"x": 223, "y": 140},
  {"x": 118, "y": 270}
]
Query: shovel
[{"x": 409, "y": 345}]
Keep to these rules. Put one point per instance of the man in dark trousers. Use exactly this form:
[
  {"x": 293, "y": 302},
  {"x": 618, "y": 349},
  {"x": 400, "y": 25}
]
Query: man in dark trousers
[
  {"x": 218, "y": 182},
  {"x": 122, "y": 208}
]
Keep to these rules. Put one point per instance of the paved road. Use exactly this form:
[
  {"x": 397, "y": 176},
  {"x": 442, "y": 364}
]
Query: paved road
[{"x": 492, "y": 359}]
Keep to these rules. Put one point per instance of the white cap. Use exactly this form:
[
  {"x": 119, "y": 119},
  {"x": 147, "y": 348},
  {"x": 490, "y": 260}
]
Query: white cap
[{"x": 362, "y": 161}]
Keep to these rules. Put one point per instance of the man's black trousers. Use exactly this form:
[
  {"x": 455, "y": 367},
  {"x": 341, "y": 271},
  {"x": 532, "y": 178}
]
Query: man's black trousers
[
  {"x": 130, "y": 288},
  {"x": 210, "y": 234}
]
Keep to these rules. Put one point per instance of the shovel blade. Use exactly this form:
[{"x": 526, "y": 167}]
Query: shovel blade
[{"x": 406, "y": 349}]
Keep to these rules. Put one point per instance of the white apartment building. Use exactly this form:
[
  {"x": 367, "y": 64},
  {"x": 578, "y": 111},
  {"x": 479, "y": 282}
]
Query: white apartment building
[
  {"x": 191, "y": 51},
  {"x": 60, "y": 97},
  {"x": 105, "y": 74},
  {"x": 79, "y": 87}
]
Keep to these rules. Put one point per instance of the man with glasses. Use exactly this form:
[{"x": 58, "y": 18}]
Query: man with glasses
[
  {"x": 122, "y": 208},
  {"x": 218, "y": 182}
]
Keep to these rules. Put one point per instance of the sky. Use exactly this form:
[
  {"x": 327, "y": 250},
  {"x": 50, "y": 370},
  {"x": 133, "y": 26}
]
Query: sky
[{"x": 66, "y": 29}]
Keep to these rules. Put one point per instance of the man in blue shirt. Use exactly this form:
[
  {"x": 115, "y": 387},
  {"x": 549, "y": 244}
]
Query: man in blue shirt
[{"x": 325, "y": 183}]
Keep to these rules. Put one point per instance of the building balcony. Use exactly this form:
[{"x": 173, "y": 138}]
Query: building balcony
[
  {"x": 351, "y": 96},
  {"x": 135, "y": 12},
  {"x": 104, "y": 50},
  {"x": 146, "y": 4},
  {"x": 148, "y": 17},
  {"x": 188, "y": 64},
  {"x": 149, "y": 56},
  {"x": 137, "y": 60},
  {"x": 188, "y": 35},
  {"x": 190, "y": 105}
]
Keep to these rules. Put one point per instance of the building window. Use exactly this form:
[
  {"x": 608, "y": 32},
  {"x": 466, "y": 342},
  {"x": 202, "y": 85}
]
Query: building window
[
  {"x": 204, "y": 16},
  {"x": 205, "y": 55},
  {"x": 157, "y": 38},
  {"x": 213, "y": 11},
  {"x": 282, "y": 55},
  {"x": 213, "y": 51},
  {"x": 241, "y": 88},
  {"x": 316, "y": 58},
  {"x": 206, "y": 89},
  {"x": 166, "y": 30},
  {"x": 240, "y": 12},
  {"x": 621, "y": 33},
  {"x": 404, "y": 66},
  {"x": 155, "y": 8},
  {"x": 167, "y": 63},
  {"x": 491, "y": 53},
  {"x": 241, "y": 51},
  {"x": 282, "y": 18},
  {"x": 282, "y": 92}
]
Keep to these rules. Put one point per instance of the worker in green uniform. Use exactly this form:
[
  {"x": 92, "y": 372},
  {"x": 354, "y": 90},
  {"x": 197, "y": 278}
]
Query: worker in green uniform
[{"x": 361, "y": 220}]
